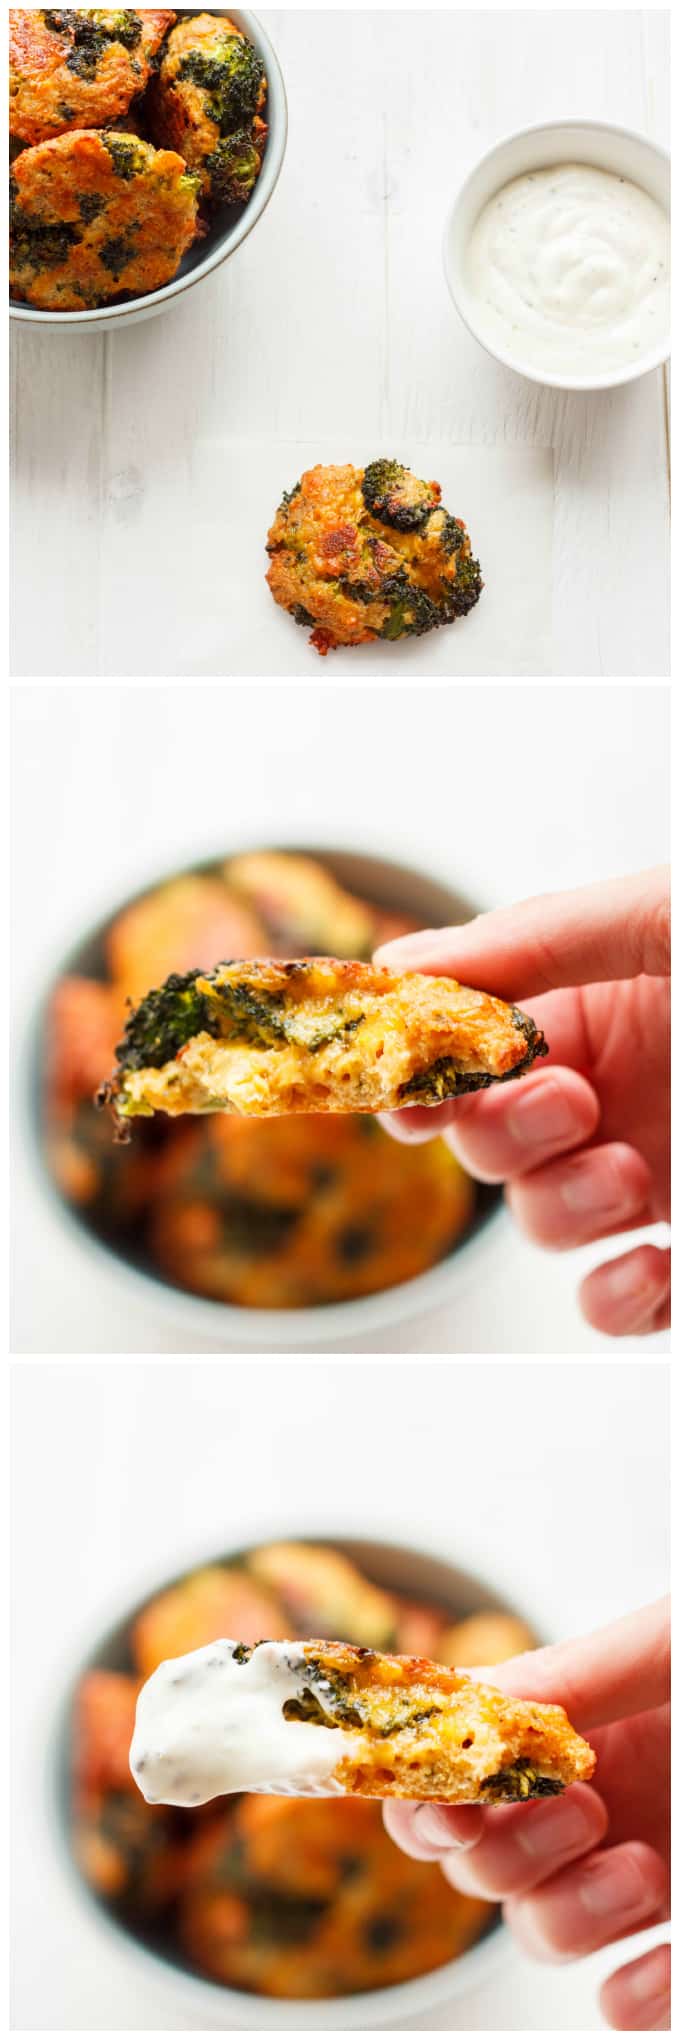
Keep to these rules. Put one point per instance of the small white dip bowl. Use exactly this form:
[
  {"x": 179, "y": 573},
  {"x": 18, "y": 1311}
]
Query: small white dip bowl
[
  {"x": 228, "y": 227},
  {"x": 618, "y": 150}
]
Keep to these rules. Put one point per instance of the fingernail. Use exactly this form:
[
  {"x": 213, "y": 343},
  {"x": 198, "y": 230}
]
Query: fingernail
[
  {"x": 409, "y": 948},
  {"x": 433, "y": 1826},
  {"x": 614, "y": 1884},
  {"x": 648, "y": 1982},
  {"x": 541, "y": 1115},
  {"x": 627, "y": 1285},
  {"x": 552, "y": 1831},
  {"x": 597, "y": 1186}
]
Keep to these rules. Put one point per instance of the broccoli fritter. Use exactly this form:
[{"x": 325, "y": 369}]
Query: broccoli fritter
[
  {"x": 79, "y": 67},
  {"x": 207, "y": 102},
  {"x": 366, "y": 553},
  {"x": 95, "y": 214}
]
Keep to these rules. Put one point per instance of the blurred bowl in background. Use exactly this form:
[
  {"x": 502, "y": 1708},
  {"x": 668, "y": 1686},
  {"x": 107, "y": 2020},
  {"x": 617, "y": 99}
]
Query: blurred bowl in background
[
  {"x": 229, "y": 224},
  {"x": 284, "y": 1232},
  {"x": 187, "y": 1877}
]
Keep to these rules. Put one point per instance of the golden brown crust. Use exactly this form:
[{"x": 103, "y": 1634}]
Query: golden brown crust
[
  {"x": 68, "y": 69},
  {"x": 425, "y": 1731},
  {"x": 95, "y": 215},
  {"x": 328, "y": 1035}
]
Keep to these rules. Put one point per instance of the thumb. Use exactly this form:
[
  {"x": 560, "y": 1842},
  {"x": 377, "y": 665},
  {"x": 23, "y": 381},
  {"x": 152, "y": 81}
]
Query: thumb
[
  {"x": 619, "y": 929},
  {"x": 621, "y": 1670}
]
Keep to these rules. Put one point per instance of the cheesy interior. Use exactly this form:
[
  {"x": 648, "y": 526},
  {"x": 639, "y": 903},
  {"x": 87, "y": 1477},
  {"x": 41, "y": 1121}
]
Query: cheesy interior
[{"x": 325, "y": 1049}]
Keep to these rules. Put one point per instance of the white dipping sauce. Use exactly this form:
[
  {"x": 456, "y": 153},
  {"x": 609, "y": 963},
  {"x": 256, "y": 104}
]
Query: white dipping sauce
[
  {"x": 207, "y": 1723},
  {"x": 569, "y": 267}
]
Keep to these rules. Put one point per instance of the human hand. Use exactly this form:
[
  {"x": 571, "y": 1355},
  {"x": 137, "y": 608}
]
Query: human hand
[
  {"x": 582, "y": 1143},
  {"x": 591, "y": 1867}
]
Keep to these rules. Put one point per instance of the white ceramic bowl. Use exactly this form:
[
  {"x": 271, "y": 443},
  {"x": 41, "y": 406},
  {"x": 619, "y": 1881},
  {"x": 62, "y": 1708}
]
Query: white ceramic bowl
[
  {"x": 393, "y": 886},
  {"x": 229, "y": 226},
  {"x": 596, "y": 143},
  {"x": 419, "y": 1575}
]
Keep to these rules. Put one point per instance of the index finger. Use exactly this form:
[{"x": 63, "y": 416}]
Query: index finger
[{"x": 597, "y": 933}]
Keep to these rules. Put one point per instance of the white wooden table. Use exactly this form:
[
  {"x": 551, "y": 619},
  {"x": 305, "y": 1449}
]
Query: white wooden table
[
  {"x": 157, "y": 1471},
  {"x": 333, "y": 325}
]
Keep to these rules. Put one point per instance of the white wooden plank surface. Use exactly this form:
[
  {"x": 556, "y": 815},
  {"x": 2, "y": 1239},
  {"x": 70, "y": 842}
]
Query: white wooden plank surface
[{"x": 333, "y": 321}]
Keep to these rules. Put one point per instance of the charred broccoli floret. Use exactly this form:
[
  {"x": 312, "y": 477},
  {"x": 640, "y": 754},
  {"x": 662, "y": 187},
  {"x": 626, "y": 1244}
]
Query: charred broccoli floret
[
  {"x": 412, "y": 612},
  {"x": 397, "y": 497},
  {"x": 163, "y": 1022},
  {"x": 465, "y": 591},
  {"x": 234, "y": 167},
  {"x": 232, "y": 76}
]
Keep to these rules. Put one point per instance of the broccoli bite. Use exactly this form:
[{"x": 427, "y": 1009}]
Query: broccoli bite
[
  {"x": 207, "y": 102},
  {"x": 78, "y": 67},
  {"x": 364, "y": 553},
  {"x": 95, "y": 215}
]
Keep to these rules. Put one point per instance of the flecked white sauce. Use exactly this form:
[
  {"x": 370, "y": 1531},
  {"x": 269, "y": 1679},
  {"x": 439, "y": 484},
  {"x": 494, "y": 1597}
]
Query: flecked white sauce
[
  {"x": 569, "y": 268},
  {"x": 207, "y": 1724}
]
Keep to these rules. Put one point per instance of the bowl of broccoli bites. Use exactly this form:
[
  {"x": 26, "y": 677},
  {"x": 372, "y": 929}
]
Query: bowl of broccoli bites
[
  {"x": 283, "y": 1230},
  {"x": 145, "y": 146}
]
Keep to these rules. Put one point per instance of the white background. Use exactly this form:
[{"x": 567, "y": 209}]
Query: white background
[
  {"x": 502, "y": 792},
  {"x": 550, "y": 1482},
  {"x": 332, "y": 325}
]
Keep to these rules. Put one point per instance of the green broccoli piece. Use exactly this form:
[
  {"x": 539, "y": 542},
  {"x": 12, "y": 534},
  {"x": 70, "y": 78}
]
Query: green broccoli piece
[
  {"x": 38, "y": 244},
  {"x": 164, "y": 1021},
  {"x": 128, "y": 155},
  {"x": 452, "y": 535},
  {"x": 397, "y": 497},
  {"x": 234, "y": 168},
  {"x": 465, "y": 591},
  {"x": 231, "y": 76},
  {"x": 412, "y": 612},
  {"x": 117, "y": 252}
]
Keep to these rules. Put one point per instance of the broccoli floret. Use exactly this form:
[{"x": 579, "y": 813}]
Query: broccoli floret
[
  {"x": 521, "y": 1781},
  {"x": 90, "y": 206},
  {"x": 442, "y": 1080},
  {"x": 452, "y": 535},
  {"x": 37, "y": 244},
  {"x": 234, "y": 168},
  {"x": 465, "y": 591},
  {"x": 231, "y": 76},
  {"x": 128, "y": 155},
  {"x": 117, "y": 252},
  {"x": 397, "y": 497},
  {"x": 163, "y": 1022},
  {"x": 412, "y": 612},
  {"x": 92, "y": 32}
]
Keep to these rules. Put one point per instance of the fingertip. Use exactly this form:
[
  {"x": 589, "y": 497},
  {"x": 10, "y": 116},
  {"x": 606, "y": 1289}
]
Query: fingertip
[
  {"x": 637, "y": 1997},
  {"x": 425, "y": 949},
  {"x": 630, "y": 1294},
  {"x": 415, "y": 1124}
]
